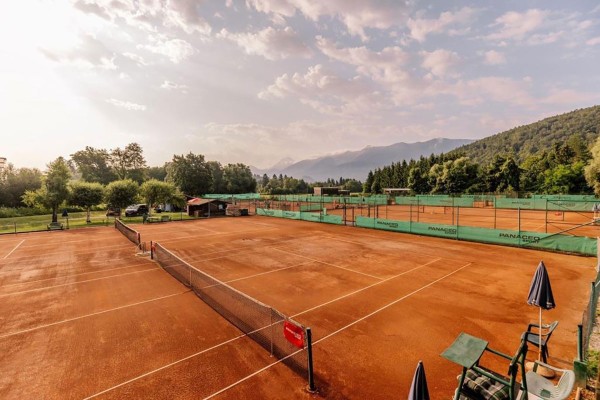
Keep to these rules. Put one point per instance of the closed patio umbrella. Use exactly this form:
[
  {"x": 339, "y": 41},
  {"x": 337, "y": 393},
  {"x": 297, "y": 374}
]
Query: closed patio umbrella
[
  {"x": 540, "y": 295},
  {"x": 418, "y": 388}
]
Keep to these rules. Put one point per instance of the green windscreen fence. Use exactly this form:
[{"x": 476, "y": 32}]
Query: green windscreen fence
[
  {"x": 547, "y": 202},
  {"x": 305, "y": 216},
  {"x": 371, "y": 200},
  {"x": 537, "y": 240},
  {"x": 240, "y": 196}
]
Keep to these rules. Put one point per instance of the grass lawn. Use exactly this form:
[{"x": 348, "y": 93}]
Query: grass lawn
[{"x": 76, "y": 220}]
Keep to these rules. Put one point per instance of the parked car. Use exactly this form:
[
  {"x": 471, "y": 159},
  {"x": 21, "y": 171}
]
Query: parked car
[
  {"x": 113, "y": 212},
  {"x": 136, "y": 209}
]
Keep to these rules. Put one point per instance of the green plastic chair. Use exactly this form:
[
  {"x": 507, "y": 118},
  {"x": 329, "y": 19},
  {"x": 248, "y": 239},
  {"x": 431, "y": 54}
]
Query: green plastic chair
[{"x": 533, "y": 337}]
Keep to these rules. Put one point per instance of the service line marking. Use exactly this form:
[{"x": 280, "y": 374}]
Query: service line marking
[
  {"x": 244, "y": 335},
  {"x": 337, "y": 331},
  {"x": 64, "y": 321},
  {"x": 326, "y": 263},
  {"x": 16, "y": 247}
]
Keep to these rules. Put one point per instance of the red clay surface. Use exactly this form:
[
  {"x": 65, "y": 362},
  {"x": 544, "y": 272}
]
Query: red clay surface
[{"x": 82, "y": 316}]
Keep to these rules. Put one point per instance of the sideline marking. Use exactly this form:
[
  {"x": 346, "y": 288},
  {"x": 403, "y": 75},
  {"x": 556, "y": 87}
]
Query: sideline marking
[
  {"x": 336, "y": 332},
  {"x": 244, "y": 335},
  {"x": 76, "y": 283},
  {"x": 16, "y": 247},
  {"x": 89, "y": 315}
]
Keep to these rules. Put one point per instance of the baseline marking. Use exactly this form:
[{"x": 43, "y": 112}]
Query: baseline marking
[
  {"x": 16, "y": 247},
  {"x": 89, "y": 315}
]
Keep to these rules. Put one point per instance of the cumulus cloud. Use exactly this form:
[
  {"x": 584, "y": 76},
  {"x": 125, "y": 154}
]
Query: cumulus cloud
[
  {"x": 439, "y": 62},
  {"x": 325, "y": 91},
  {"x": 385, "y": 65},
  {"x": 493, "y": 57},
  {"x": 168, "y": 85},
  {"x": 176, "y": 50},
  {"x": 515, "y": 26},
  {"x": 593, "y": 41},
  {"x": 272, "y": 44},
  {"x": 146, "y": 14},
  {"x": 356, "y": 15},
  {"x": 126, "y": 105},
  {"x": 139, "y": 60},
  {"x": 421, "y": 27},
  {"x": 89, "y": 53}
]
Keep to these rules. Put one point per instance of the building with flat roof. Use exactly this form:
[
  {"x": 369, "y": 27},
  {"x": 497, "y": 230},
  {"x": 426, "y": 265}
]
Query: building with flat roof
[{"x": 3, "y": 163}]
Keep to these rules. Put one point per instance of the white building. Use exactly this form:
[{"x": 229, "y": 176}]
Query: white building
[{"x": 3, "y": 163}]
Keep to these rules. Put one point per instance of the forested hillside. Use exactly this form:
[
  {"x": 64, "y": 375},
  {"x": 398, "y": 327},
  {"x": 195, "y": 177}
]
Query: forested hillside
[
  {"x": 549, "y": 156},
  {"x": 532, "y": 139}
]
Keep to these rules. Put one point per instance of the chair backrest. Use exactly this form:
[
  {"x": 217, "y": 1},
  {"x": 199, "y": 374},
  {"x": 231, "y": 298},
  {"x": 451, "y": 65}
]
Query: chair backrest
[
  {"x": 565, "y": 384},
  {"x": 551, "y": 329}
]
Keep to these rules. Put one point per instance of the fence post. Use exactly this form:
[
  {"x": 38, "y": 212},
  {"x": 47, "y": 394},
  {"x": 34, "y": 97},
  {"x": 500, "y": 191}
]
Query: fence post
[{"x": 579, "y": 342}]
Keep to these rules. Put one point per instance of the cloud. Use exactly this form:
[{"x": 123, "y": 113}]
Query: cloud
[
  {"x": 515, "y": 26},
  {"x": 492, "y": 88},
  {"x": 139, "y": 60},
  {"x": 168, "y": 85},
  {"x": 146, "y": 14},
  {"x": 420, "y": 28},
  {"x": 325, "y": 92},
  {"x": 593, "y": 41},
  {"x": 126, "y": 105},
  {"x": 493, "y": 57},
  {"x": 185, "y": 15},
  {"x": 439, "y": 62},
  {"x": 272, "y": 44},
  {"x": 356, "y": 15},
  {"x": 88, "y": 53},
  {"x": 384, "y": 66},
  {"x": 176, "y": 50}
]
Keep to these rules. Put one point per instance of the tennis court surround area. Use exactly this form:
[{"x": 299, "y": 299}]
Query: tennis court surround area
[{"x": 82, "y": 316}]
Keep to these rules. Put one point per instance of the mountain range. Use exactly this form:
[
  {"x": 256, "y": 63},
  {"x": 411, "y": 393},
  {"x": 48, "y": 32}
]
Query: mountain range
[{"x": 357, "y": 164}]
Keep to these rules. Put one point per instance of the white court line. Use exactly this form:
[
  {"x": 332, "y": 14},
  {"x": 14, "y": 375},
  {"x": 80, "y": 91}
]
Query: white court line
[
  {"x": 196, "y": 237},
  {"x": 326, "y": 263},
  {"x": 76, "y": 283},
  {"x": 242, "y": 336},
  {"x": 16, "y": 247},
  {"x": 90, "y": 315},
  {"x": 336, "y": 332},
  {"x": 62, "y": 252},
  {"x": 69, "y": 276}
]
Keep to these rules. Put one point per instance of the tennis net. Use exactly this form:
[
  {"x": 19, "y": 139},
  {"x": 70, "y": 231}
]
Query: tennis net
[
  {"x": 282, "y": 337},
  {"x": 129, "y": 233}
]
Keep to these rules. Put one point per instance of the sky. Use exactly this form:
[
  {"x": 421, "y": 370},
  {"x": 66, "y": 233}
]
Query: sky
[{"x": 255, "y": 81}]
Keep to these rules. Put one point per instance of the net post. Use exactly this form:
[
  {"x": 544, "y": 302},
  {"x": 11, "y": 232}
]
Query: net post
[
  {"x": 151, "y": 251},
  {"x": 272, "y": 333},
  {"x": 311, "y": 380}
]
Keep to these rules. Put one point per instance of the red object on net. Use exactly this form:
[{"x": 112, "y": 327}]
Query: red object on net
[{"x": 294, "y": 334}]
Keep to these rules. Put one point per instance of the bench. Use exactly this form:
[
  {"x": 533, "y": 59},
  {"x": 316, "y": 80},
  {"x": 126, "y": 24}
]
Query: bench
[
  {"x": 162, "y": 218},
  {"x": 54, "y": 226}
]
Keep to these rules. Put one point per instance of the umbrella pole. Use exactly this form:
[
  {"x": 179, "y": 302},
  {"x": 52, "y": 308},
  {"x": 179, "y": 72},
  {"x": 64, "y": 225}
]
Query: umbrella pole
[{"x": 540, "y": 342}]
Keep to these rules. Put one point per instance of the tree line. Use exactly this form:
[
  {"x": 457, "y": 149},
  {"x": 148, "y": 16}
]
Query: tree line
[
  {"x": 119, "y": 177},
  {"x": 568, "y": 167},
  {"x": 284, "y": 184}
]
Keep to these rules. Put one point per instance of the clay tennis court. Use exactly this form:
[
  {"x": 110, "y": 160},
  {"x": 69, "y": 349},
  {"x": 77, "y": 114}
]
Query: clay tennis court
[{"x": 83, "y": 317}]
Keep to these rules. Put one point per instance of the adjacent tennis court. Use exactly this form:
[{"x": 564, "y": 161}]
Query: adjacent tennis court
[{"x": 83, "y": 316}]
